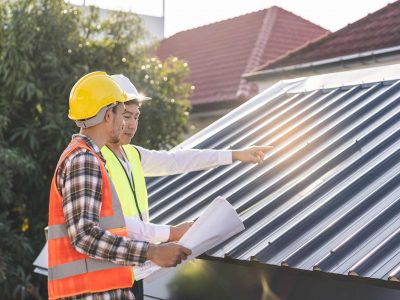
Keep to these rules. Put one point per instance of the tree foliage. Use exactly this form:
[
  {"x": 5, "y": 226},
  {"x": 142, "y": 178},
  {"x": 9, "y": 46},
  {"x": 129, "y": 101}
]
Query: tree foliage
[{"x": 45, "y": 46}]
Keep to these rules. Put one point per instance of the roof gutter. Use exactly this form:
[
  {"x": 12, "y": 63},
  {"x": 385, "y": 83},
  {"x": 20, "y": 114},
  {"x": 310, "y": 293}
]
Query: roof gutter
[{"x": 325, "y": 62}]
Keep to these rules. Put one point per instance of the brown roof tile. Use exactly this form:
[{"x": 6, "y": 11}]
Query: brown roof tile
[
  {"x": 219, "y": 53},
  {"x": 375, "y": 31}
]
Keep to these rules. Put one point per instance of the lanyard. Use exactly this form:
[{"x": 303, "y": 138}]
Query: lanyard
[{"x": 131, "y": 183}]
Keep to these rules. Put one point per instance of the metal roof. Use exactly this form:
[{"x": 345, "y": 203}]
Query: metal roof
[{"x": 327, "y": 197}]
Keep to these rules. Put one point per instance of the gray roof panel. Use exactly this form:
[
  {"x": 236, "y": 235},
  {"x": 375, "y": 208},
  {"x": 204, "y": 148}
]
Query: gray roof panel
[{"x": 327, "y": 197}]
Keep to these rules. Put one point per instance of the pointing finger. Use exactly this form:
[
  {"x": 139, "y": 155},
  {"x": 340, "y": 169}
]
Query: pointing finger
[{"x": 265, "y": 149}]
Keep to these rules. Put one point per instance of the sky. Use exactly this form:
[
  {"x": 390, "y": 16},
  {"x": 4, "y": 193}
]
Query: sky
[{"x": 185, "y": 14}]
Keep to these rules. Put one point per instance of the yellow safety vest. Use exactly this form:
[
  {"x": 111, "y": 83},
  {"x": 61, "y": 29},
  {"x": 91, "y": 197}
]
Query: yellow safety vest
[{"x": 133, "y": 197}]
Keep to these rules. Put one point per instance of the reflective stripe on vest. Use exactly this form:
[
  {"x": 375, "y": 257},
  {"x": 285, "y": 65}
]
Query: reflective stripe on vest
[
  {"x": 126, "y": 191},
  {"x": 70, "y": 272}
]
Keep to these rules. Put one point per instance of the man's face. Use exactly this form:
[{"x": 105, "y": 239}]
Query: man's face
[
  {"x": 131, "y": 118},
  {"x": 117, "y": 123}
]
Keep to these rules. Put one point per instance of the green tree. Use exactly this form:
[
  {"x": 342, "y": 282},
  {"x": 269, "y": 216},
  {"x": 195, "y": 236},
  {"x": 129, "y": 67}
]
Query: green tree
[{"x": 45, "y": 46}]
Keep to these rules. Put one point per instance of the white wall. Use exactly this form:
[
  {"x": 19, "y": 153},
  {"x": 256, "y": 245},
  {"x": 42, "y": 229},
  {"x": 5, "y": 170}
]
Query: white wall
[{"x": 154, "y": 25}]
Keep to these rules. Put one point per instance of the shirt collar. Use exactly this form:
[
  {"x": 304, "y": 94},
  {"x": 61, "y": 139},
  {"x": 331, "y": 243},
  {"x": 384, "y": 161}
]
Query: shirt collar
[{"x": 90, "y": 143}]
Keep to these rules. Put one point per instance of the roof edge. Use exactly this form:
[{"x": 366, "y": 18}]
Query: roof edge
[
  {"x": 325, "y": 62},
  {"x": 322, "y": 274},
  {"x": 365, "y": 76}
]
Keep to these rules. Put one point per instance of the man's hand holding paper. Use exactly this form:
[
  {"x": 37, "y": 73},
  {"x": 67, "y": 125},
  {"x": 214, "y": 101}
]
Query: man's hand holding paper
[{"x": 218, "y": 222}]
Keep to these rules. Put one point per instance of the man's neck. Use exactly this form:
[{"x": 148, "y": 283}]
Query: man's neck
[
  {"x": 116, "y": 148},
  {"x": 95, "y": 135}
]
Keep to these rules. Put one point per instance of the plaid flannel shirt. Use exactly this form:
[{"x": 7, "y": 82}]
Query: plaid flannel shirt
[{"x": 79, "y": 182}]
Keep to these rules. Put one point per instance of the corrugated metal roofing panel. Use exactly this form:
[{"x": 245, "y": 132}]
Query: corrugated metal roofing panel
[{"x": 326, "y": 198}]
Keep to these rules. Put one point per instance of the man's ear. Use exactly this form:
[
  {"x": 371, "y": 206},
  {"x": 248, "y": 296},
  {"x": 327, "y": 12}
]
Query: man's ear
[{"x": 108, "y": 116}]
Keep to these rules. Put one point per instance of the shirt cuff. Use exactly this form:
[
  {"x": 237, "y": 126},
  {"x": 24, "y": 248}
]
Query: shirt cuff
[
  {"x": 137, "y": 252},
  {"x": 225, "y": 157},
  {"x": 162, "y": 233}
]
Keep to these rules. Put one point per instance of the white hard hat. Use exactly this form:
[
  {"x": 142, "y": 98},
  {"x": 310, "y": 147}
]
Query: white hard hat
[{"x": 128, "y": 87}]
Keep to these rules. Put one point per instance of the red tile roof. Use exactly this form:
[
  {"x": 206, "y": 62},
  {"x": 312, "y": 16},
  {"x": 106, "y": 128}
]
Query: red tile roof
[
  {"x": 219, "y": 53},
  {"x": 375, "y": 31}
]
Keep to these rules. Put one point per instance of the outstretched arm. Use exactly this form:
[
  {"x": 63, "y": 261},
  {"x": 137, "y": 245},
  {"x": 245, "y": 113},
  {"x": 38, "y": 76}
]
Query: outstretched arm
[{"x": 161, "y": 163}]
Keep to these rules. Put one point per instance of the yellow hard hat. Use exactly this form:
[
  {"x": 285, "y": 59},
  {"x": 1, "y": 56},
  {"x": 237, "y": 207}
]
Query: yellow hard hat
[{"x": 91, "y": 93}]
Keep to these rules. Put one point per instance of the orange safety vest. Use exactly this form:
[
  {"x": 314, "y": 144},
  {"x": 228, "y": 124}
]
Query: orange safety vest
[{"x": 70, "y": 272}]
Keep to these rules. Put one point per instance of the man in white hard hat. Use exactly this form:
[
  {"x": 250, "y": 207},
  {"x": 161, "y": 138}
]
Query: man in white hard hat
[{"x": 128, "y": 165}]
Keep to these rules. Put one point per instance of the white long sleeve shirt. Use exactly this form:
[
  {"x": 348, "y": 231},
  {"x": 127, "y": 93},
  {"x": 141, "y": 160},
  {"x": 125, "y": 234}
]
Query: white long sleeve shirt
[{"x": 162, "y": 163}]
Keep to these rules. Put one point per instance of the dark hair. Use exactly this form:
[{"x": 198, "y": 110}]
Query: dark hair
[
  {"x": 114, "y": 108},
  {"x": 133, "y": 101}
]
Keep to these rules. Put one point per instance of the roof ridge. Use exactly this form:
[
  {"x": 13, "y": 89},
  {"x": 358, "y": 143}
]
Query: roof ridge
[
  {"x": 220, "y": 21},
  {"x": 326, "y": 37},
  {"x": 257, "y": 52},
  {"x": 246, "y": 14}
]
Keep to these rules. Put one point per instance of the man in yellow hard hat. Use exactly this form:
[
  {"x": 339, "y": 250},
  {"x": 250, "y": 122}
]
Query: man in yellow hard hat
[
  {"x": 90, "y": 255},
  {"x": 128, "y": 165}
]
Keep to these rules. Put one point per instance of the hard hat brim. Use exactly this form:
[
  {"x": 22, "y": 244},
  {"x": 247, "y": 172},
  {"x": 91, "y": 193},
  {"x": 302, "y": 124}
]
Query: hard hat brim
[
  {"x": 140, "y": 98},
  {"x": 128, "y": 87}
]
